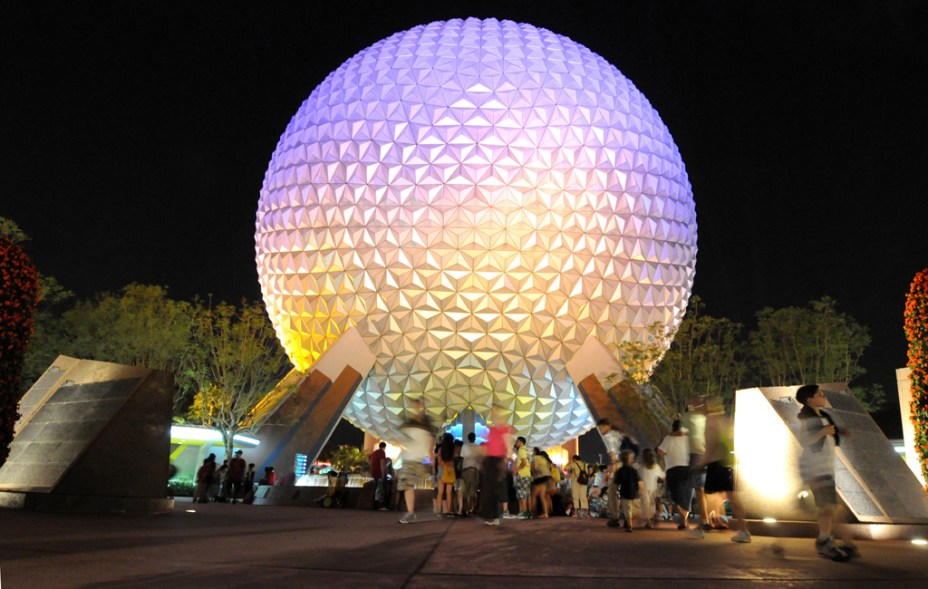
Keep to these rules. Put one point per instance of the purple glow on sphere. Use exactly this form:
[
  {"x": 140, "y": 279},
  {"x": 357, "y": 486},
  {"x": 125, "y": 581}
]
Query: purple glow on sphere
[{"x": 477, "y": 198}]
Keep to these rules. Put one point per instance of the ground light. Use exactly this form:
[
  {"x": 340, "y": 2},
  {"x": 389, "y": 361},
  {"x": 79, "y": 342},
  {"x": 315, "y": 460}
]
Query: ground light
[{"x": 920, "y": 542}]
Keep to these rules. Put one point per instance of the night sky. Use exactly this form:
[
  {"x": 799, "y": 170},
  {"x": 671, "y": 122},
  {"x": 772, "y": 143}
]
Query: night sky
[{"x": 135, "y": 135}]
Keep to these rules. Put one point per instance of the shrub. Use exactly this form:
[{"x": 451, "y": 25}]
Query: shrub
[{"x": 181, "y": 487}]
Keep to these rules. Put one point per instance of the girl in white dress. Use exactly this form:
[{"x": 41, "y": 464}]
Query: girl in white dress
[{"x": 652, "y": 475}]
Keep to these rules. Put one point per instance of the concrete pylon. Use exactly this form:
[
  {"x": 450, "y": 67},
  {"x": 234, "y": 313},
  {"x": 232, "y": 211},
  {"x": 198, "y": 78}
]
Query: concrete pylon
[
  {"x": 620, "y": 404},
  {"x": 873, "y": 482},
  {"x": 81, "y": 423},
  {"x": 299, "y": 415}
]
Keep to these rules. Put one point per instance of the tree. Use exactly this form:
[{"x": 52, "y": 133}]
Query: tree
[
  {"x": 19, "y": 291},
  {"x": 347, "y": 459},
  {"x": 916, "y": 332},
  {"x": 810, "y": 345},
  {"x": 11, "y": 232},
  {"x": 235, "y": 360},
  {"x": 139, "y": 326},
  {"x": 705, "y": 358}
]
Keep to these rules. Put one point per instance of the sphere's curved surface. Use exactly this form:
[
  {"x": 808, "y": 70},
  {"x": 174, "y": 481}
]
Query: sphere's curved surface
[{"x": 478, "y": 198}]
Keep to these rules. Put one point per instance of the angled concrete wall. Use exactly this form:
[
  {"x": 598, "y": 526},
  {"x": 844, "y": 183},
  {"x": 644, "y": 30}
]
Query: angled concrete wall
[
  {"x": 301, "y": 413},
  {"x": 93, "y": 436},
  {"x": 873, "y": 481}
]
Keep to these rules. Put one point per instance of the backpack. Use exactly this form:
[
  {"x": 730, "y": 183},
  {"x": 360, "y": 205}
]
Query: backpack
[{"x": 583, "y": 477}]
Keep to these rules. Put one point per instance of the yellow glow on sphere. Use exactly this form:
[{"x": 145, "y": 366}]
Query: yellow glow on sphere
[{"x": 478, "y": 198}]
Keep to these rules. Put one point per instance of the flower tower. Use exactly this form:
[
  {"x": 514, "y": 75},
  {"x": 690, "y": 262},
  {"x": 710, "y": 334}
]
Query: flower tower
[
  {"x": 916, "y": 331},
  {"x": 19, "y": 294}
]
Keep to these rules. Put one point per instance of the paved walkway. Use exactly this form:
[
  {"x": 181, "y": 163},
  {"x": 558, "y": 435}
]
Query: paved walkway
[{"x": 232, "y": 546}]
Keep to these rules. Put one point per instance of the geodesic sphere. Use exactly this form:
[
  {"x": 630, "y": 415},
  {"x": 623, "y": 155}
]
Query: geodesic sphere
[{"x": 478, "y": 198}]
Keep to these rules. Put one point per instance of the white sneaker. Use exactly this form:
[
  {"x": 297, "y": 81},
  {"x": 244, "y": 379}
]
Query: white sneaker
[
  {"x": 492, "y": 522},
  {"x": 695, "y": 533},
  {"x": 409, "y": 518},
  {"x": 507, "y": 515},
  {"x": 743, "y": 537}
]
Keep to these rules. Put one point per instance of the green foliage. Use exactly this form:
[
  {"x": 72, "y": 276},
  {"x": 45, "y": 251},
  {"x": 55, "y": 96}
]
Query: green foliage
[
  {"x": 11, "y": 232},
  {"x": 139, "y": 326},
  {"x": 181, "y": 487},
  {"x": 871, "y": 397},
  {"x": 709, "y": 355},
  {"x": 19, "y": 291},
  {"x": 638, "y": 359},
  {"x": 234, "y": 361},
  {"x": 706, "y": 358},
  {"x": 808, "y": 345},
  {"x": 349, "y": 459}
]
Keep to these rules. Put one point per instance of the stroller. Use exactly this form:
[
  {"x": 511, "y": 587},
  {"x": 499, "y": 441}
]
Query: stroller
[{"x": 335, "y": 495}]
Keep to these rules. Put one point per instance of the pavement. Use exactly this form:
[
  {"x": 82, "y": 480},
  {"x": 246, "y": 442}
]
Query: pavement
[{"x": 232, "y": 546}]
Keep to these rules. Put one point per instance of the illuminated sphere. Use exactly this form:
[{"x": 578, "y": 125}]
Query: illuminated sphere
[{"x": 477, "y": 198}]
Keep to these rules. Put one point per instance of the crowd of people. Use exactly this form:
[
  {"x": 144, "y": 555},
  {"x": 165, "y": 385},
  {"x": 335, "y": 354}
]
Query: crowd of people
[
  {"x": 687, "y": 481},
  {"x": 231, "y": 482}
]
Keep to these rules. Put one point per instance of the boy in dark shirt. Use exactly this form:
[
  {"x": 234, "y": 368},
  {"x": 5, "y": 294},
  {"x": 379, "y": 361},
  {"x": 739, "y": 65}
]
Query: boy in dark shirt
[{"x": 629, "y": 486}]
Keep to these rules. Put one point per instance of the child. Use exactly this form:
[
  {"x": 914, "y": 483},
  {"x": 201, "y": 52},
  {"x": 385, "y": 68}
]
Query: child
[
  {"x": 652, "y": 477},
  {"x": 819, "y": 436},
  {"x": 629, "y": 486}
]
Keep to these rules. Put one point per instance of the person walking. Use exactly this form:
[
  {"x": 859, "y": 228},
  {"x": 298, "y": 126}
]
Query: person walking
[
  {"x": 719, "y": 463},
  {"x": 417, "y": 436},
  {"x": 612, "y": 438},
  {"x": 694, "y": 424},
  {"x": 819, "y": 436},
  {"x": 675, "y": 449}
]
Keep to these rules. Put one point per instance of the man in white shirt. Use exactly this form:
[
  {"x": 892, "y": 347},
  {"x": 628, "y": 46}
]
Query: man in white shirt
[
  {"x": 675, "y": 448},
  {"x": 612, "y": 438},
  {"x": 471, "y": 454}
]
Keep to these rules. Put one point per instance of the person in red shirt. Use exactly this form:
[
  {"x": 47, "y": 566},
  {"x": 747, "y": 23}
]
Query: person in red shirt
[
  {"x": 493, "y": 474},
  {"x": 270, "y": 477},
  {"x": 235, "y": 475},
  {"x": 378, "y": 472}
]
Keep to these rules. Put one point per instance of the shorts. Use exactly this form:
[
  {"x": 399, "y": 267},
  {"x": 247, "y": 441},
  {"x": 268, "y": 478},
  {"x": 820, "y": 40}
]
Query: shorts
[
  {"x": 523, "y": 487},
  {"x": 410, "y": 475},
  {"x": 824, "y": 492},
  {"x": 697, "y": 476},
  {"x": 719, "y": 478},
  {"x": 678, "y": 481},
  {"x": 470, "y": 479},
  {"x": 541, "y": 481}
]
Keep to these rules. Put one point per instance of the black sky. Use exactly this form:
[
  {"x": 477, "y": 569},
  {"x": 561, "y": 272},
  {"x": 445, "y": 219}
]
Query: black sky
[{"x": 134, "y": 136}]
